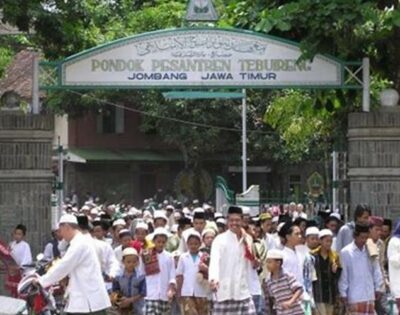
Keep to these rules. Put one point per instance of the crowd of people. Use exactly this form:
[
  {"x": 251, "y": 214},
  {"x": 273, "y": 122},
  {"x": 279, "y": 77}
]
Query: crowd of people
[{"x": 193, "y": 260}]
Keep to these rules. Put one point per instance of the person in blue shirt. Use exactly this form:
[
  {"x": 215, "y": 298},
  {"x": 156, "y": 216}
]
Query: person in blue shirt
[
  {"x": 129, "y": 289},
  {"x": 361, "y": 281},
  {"x": 346, "y": 232}
]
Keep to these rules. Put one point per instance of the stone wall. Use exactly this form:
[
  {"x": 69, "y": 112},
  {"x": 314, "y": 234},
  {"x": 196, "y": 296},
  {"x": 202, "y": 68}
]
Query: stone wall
[
  {"x": 25, "y": 175},
  {"x": 374, "y": 160}
]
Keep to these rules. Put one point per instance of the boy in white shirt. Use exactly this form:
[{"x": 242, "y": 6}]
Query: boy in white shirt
[
  {"x": 192, "y": 293},
  {"x": 160, "y": 281},
  {"x": 20, "y": 249}
]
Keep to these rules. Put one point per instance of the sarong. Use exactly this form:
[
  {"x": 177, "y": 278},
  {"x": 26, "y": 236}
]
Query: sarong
[
  {"x": 231, "y": 307},
  {"x": 157, "y": 307}
]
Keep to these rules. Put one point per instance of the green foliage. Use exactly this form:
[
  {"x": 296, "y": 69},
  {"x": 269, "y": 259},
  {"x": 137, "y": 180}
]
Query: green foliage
[
  {"x": 6, "y": 55},
  {"x": 63, "y": 28},
  {"x": 298, "y": 122},
  {"x": 9, "y": 46},
  {"x": 289, "y": 125}
]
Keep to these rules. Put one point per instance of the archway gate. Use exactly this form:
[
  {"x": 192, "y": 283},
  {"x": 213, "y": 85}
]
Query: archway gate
[{"x": 202, "y": 63}]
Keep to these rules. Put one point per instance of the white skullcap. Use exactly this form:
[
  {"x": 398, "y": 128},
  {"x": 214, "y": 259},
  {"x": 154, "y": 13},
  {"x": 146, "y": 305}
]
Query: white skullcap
[
  {"x": 159, "y": 214},
  {"x": 336, "y": 215},
  {"x": 274, "y": 254},
  {"x": 221, "y": 221},
  {"x": 129, "y": 251},
  {"x": 68, "y": 218},
  {"x": 160, "y": 231},
  {"x": 312, "y": 231},
  {"x": 193, "y": 233},
  {"x": 325, "y": 232},
  {"x": 142, "y": 225},
  {"x": 85, "y": 208},
  {"x": 94, "y": 211},
  {"x": 218, "y": 215},
  {"x": 119, "y": 222},
  {"x": 124, "y": 231},
  {"x": 206, "y": 206},
  {"x": 208, "y": 230}
]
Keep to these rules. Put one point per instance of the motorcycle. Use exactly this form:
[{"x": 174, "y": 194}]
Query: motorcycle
[{"x": 40, "y": 301}]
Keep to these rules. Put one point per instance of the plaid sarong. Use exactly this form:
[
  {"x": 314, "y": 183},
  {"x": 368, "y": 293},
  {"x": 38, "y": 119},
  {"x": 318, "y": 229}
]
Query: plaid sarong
[
  {"x": 362, "y": 308},
  {"x": 231, "y": 307},
  {"x": 157, "y": 307}
]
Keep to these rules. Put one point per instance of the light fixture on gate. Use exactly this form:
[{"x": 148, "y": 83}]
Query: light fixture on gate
[{"x": 389, "y": 97}]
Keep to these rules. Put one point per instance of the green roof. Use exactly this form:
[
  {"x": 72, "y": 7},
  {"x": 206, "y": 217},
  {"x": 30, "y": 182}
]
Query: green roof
[{"x": 84, "y": 155}]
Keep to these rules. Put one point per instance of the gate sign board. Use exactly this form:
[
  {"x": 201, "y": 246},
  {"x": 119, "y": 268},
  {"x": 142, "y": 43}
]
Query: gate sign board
[{"x": 205, "y": 57}]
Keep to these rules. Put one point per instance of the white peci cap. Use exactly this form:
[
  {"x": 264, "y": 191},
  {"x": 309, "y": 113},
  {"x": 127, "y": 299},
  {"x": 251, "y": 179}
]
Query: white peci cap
[
  {"x": 221, "y": 221},
  {"x": 123, "y": 232},
  {"x": 94, "y": 211},
  {"x": 325, "y": 232},
  {"x": 274, "y": 254},
  {"x": 129, "y": 251},
  {"x": 160, "y": 214},
  {"x": 312, "y": 231},
  {"x": 193, "y": 233},
  {"x": 208, "y": 231},
  {"x": 68, "y": 218},
  {"x": 160, "y": 231},
  {"x": 119, "y": 222},
  {"x": 85, "y": 208},
  {"x": 142, "y": 225}
]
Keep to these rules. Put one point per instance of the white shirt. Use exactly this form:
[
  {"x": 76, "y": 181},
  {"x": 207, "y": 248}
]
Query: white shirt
[
  {"x": 108, "y": 262},
  {"x": 157, "y": 285},
  {"x": 254, "y": 282},
  {"x": 270, "y": 241},
  {"x": 393, "y": 253},
  {"x": 189, "y": 269},
  {"x": 118, "y": 255},
  {"x": 21, "y": 252},
  {"x": 293, "y": 263},
  {"x": 229, "y": 267},
  {"x": 86, "y": 291}
]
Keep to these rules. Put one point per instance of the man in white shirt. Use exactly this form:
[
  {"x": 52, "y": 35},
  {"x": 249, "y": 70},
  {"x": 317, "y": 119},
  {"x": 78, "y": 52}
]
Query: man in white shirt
[
  {"x": 86, "y": 291},
  {"x": 199, "y": 223},
  {"x": 266, "y": 226},
  {"x": 230, "y": 265}
]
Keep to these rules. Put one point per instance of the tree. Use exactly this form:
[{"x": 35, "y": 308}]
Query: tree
[{"x": 346, "y": 29}]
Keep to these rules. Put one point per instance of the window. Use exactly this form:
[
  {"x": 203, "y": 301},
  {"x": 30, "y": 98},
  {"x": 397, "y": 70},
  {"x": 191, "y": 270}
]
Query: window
[{"x": 111, "y": 120}]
